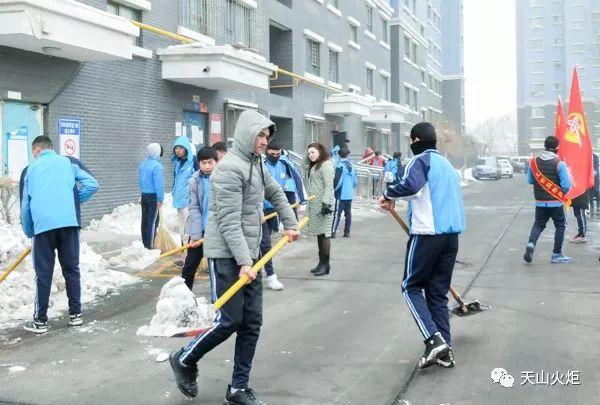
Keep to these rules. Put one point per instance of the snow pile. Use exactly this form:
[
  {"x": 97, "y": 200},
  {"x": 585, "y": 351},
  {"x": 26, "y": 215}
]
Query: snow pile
[
  {"x": 17, "y": 292},
  {"x": 177, "y": 311},
  {"x": 466, "y": 177},
  {"x": 126, "y": 219},
  {"x": 134, "y": 256},
  {"x": 12, "y": 242}
]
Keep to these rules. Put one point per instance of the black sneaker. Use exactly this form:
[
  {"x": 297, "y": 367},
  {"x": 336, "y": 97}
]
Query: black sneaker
[
  {"x": 346, "y": 234},
  {"x": 528, "y": 256},
  {"x": 332, "y": 235},
  {"x": 75, "y": 320},
  {"x": 36, "y": 326},
  {"x": 242, "y": 397},
  {"x": 446, "y": 361},
  {"x": 435, "y": 348},
  {"x": 185, "y": 376}
]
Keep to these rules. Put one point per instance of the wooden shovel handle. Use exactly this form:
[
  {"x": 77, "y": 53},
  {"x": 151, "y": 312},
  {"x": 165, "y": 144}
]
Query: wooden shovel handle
[{"x": 457, "y": 297}]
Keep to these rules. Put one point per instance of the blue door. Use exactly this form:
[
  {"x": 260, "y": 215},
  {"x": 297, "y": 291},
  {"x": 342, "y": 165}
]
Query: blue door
[
  {"x": 194, "y": 126},
  {"x": 21, "y": 124}
]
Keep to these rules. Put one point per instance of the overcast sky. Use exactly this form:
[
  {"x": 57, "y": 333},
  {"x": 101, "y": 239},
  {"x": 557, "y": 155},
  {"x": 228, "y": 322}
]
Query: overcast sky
[{"x": 490, "y": 59}]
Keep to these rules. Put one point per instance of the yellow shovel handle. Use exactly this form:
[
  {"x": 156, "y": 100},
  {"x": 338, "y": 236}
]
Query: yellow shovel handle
[
  {"x": 15, "y": 264},
  {"x": 295, "y": 205},
  {"x": 177, "y": 250},
  {"x": 256, "y": 268}
]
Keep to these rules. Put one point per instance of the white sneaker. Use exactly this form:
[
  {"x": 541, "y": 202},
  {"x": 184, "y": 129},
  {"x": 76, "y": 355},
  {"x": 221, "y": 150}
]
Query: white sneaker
[{"x": 274, "y": 284}]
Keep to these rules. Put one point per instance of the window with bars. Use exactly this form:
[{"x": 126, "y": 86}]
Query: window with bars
[
  {"x": 315, "y": 131},
  {"x": 370, "y": 81},
  {"x": 370, "y": 18},
  {"x": 334, "y": 66},
  {"x": 385, "y": 92},
  {"x": 384, "y": 30},
  {"x": 238, "y": 23},
  {"x": 125, "y": 12},
  {"x": 314, "y": 57},
  {"x": 194, "y": 15}
]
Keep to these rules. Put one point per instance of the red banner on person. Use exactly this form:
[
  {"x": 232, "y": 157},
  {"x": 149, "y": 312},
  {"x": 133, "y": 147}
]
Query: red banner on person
[{"x": 575, "y": 147}]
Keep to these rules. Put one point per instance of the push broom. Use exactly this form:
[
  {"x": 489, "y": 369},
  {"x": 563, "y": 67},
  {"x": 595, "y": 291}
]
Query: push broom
[{"x": 463, "y": 309}]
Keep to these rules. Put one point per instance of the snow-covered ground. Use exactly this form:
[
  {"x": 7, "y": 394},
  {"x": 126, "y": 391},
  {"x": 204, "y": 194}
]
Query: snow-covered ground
[
  {"x": 466, "y": 176},
  {"x": 178, "y": 310},
  {"x": 134, "y": 256}
]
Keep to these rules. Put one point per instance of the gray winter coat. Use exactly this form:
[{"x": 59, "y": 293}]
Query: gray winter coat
[
  {"x": 320, "y": 184},
  {"x": 193, "y": 225},
  {"x": 239, "y": 185}
]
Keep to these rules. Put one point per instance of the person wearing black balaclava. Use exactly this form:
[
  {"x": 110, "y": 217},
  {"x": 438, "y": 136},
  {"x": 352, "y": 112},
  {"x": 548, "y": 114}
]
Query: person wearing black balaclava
[{"x": 437, "y": 217}]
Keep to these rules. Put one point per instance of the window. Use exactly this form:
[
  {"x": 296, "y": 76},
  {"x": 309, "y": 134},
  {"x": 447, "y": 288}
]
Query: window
[
  {"x": 557, "y": 19},
  {"x": 537, "y": 112},
  {"x": 370, "y": 81},
  {"x": 407, "y": 93},
  {"x": 537, "y": 67},
  {"x": 385, "y": 92},
  {"x": 536, "y": 44},
  {"x": 354, "y": 33},
  {"x": 429, "y": 11},
  {"x": 596, "y": 61},
  {"x": 536, "y": 3},
  {"x": 578, "y": 48},
  {"x": 558, "y": 64},
  {"x": 423, "y": 77},
  {"x": 537, "y": 89},
  {"x": 559, "y": 42},
  {"x": 557, "y": 86},
  {"x": 315, "y": 131},
  {"x": 414, "y": 6},
  {"x": 125, "y": 12},
  {"x": 370, "y": 18},
  {"x": 334, "y": 66},
  {"x": 414, "y": 52},
  {"x": 384, "y": 30},
  {"x": 577, "y": 25},
  {"x": 596, "y": 84},
  {"x": 414, "y": 103},
  {"x": 314, "y": 57},
  {"x": 538, "y": 132},
  {"x": 536, "y": 23},
  {"x": 238, "y": 23},
  {"x": 596, "y": 16},
  {"x": 407, "y": 47},
  {"x": 335, "y": 3}
]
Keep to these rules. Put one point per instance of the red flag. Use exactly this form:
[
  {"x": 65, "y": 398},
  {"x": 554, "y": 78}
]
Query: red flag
[
  {"x": 575, "y": 147},
  {"x": 560, "y": 127}
]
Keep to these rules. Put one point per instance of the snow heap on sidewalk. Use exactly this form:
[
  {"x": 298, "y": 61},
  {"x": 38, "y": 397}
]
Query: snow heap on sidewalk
[
  {"x": 134, "y": 256},
  {"x": 466, "y": 177},
  {"x": 178, "y": 310},
  {"x": 17, "y": 292},
  {"x": 126, "y": 219}
]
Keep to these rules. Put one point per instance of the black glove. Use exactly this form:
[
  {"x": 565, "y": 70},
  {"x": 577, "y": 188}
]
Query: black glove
[{"x": 326, "y": 209}]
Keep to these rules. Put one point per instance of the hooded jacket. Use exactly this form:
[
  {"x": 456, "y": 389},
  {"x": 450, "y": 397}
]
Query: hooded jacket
[
  {"x": 345, "y": 180},
  {"x": 151, "y": 176},
  {"x": 239, "y": 184},
  {"x": 199, "y": 188},
  {"x": 183, "y": 170},
  {"x": 288, "y": 178}
]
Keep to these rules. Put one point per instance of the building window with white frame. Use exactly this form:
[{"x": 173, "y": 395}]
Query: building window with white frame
[
  {"x": 558, "y": 87},
  {"x": 538, "y": 133},
  {"x": 384, "y": 30},
  {"x": 369, "y": 18},
  {"x": 559, "y": 41},
  {"x": 315, "y": 131},
  {"x": 537, "y": 111},
  {"x": 578, "y": 48},
  {"x": 536, "y": 44},
  {"x": 407, "y": 47},
  {"x": 354, "y": 33},
  {"x": 334, "y": 66},
  {"x": 370, "y": 90},
  {"x": 407, "y": 96},
  {"x": 537, "y": 67},
  {"x": 537, "y": 89},
  {"x": 313, "y": 56},
  {"x": 128, "y": 13},
  {"x": 385, "y": 92},
  {"x": 536, "y": 3},
  {"x": 239, "y": 23},
  {"x": 536, "y": 23},
  {"x": 558, "y": 64}
]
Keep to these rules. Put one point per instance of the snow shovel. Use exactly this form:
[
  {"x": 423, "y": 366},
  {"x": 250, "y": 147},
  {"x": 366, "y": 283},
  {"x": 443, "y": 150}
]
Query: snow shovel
[
  {"x": 163, "y": 239},
  {"x": 463, "y": 309},
  {"x": 15, "y": 264},
  {"x": 243, "y": 280}
]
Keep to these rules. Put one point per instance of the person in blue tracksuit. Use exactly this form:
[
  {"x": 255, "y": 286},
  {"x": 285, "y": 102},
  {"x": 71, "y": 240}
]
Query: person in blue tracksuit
[
  {"x": 49, "y": 215},
  {"x": 436, "y": 218},
  {"x": 395, "y": 169},
  {"x": 283, "y": 171},
  {"x": 335, "y": 154},
  {"x": 199, "y": 189},
  {"x": 184, "y": 166},
  {"x": 151, "y": 180},
  {"x": 344, "y": 183},
  {"x": 546, "y": 205}
]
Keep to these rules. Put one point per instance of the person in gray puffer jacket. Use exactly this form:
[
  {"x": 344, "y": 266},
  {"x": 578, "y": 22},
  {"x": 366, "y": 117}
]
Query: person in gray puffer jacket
[{"x": 239, "y": 184}]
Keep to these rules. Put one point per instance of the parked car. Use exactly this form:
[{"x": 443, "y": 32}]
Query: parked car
[
  {"x": 487, "y": 168},
  {"x": 520, "y": 163},
  {"x": 506, "y": 168}
]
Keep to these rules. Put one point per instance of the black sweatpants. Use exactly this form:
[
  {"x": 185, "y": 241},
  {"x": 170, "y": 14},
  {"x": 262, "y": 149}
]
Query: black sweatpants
[
  {"x": 427, "y": 274},
  {"x": 149, "y": 219},
  {"x": 344, "y": 206},
  {"x": 542, "y": 215},
  {"x": 192, "y": 261},
  {"x": 242, "y": 314},
  {"x": 581, "y": 221},
  {"x": 66, "y": 242}
]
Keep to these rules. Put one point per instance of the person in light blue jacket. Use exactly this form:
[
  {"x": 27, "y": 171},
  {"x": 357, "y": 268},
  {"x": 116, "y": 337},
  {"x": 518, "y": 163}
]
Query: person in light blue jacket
[
  {"x": 184, "y": 166},
  {"x": 152, "y": 188},
  {"x": 49, "y": 215},
  {"x": 436, "y": 218},
  {"x": 344, "y": 183}
]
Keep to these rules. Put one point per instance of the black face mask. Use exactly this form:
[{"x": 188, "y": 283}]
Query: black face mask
[
  {"x": 272, "y": 159},
  {"x": 421, "y": 146}
]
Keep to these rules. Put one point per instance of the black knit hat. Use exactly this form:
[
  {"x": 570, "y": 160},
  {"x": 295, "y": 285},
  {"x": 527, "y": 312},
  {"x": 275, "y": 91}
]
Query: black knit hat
[{"x": 424, "y": 131}]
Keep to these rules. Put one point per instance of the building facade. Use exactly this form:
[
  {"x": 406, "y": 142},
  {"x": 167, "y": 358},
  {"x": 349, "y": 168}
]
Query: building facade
[
  {"x": 103, "y": 88},
  {"x": 553, "y": 37}
]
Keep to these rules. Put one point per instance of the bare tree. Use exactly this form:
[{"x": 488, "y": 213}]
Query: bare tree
[
  {"x": 497, "y": 135},
  {"x": 8, "y": 199}
]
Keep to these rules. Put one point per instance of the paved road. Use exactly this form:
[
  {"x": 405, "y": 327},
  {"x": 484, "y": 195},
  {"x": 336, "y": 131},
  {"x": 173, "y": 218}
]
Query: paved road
[{"x": 348, "y": 338}]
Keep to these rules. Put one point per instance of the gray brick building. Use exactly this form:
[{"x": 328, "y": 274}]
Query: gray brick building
[{"x": 78, "y": 61}]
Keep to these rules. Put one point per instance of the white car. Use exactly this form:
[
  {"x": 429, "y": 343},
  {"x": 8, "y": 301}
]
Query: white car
[{"x": 506, "y": 169}]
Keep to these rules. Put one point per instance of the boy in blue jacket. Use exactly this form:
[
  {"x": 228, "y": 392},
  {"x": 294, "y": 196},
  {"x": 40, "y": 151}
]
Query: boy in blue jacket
[
  {"x": 284, "y": 173},
  {"x": 183, "y": 168},
  {"x": 152, "y": 189},
  {"x": 199, "y": 190},
  {"x": 344, "y": 183},
  {"x": 436, "y": 218},
  {"x": 49, "y": 215}
]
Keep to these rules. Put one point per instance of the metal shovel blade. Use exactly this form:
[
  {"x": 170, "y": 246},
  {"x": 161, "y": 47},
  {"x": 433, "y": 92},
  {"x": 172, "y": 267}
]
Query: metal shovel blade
[{"x": 470, "y": 308}]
